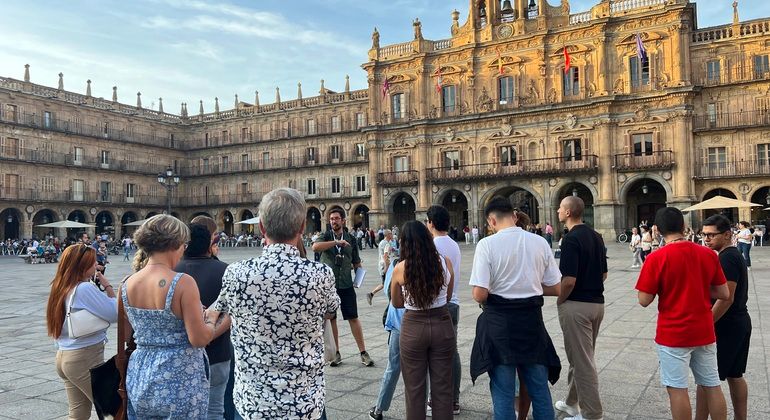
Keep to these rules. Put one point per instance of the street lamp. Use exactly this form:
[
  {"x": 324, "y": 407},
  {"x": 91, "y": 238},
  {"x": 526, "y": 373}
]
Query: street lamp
[
  {"x": 645, "y": 188},
  {"x": 574, "y": 192},
  {"x": 767, "y": 199},
  {"x": 10, "y": 218},
  {"x": 168, "y": 180}
]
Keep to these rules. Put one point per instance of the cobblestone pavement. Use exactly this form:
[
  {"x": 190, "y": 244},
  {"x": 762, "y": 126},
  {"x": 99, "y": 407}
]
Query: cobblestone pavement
[{"x": 627, "y": 363}]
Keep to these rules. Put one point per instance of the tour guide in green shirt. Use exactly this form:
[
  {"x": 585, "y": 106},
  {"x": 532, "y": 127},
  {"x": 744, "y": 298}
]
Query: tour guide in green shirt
[{"x": 339, "y": 252}]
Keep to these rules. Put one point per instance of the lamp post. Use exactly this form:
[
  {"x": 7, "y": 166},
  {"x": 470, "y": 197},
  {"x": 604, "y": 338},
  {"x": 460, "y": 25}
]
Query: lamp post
[{"x": 169, "y": 180}]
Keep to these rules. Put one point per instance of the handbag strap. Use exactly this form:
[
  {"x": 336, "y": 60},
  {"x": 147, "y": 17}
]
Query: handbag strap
[
  {"x": 71, "y": 300},
  {"x": 121, "y": 359}
]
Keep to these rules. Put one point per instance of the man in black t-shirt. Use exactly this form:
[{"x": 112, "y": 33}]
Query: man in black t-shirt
[
  {"x": 580, "y": 305},
  {"x": 732, "y": 323}
]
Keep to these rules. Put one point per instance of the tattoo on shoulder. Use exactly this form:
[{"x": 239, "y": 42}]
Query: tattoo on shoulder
[{"x": 162, "y": 283}]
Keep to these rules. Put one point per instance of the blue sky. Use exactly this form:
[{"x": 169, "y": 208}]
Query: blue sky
[{"x": 188, "y": 50}]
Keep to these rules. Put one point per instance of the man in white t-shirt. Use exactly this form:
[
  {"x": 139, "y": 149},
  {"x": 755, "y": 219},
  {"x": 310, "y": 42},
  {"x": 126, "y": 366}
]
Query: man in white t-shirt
[
  {"x": 475, "y": 233},
  {"x": 385, "y": 251},
  {"x": 438, "y": 224},
  {"x": 512, "y": 271}
]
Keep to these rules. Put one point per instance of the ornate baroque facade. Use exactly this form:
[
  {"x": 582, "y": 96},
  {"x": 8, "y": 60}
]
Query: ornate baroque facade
[{"x": 493, "y": 110}]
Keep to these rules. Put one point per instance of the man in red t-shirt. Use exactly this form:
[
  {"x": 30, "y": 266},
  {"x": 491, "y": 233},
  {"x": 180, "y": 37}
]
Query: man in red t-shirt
[{"x": 685, "y": 276}]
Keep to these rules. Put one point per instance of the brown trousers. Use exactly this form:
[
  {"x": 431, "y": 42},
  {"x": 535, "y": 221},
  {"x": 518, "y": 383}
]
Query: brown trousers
[
  {"x": 580, "y": 322},
  {"x": 428, "y": 344},
  {"x": 73, "y": 367}
]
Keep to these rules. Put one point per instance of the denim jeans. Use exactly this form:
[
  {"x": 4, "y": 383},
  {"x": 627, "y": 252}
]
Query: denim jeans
[
  {"x": 502, "y": 384},
  {"x": 745, "y": 249},
  {"x": 239, "y": 417},
  {"x": 220, "y": 373},
  {"x": 391, "y": 374}
]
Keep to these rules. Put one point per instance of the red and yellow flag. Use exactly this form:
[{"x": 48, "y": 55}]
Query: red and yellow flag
[{"x": 566, "y": 60}]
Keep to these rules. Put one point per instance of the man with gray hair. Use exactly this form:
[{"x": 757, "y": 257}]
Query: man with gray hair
[
  {"x": 385, "y": 251},
  {"x": 278, "y": 302}
]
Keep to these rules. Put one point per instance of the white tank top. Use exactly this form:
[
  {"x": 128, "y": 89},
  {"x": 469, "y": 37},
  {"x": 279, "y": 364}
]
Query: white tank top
[{"x": 440, "y": 299}]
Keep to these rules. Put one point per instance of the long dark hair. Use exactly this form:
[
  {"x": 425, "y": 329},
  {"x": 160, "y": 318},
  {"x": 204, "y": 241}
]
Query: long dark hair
[{"x": 423, "y": 272}]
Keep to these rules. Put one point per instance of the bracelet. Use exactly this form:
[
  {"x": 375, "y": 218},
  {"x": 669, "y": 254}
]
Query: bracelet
[{"x": 109, "y": 287}]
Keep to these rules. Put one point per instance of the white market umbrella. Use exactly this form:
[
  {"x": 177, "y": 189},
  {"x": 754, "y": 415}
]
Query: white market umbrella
[
  {"x": 720, "y": 202},
  {"x": 66, "y": 224},
  {"x": 252, "y": 221},
  {"x": 136, "y": 223}
]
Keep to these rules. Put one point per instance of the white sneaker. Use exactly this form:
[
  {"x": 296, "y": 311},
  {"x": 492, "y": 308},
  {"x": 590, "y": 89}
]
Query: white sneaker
[
  {"x": 580, "y": 417},
  {"x": 572, "y": 411}
]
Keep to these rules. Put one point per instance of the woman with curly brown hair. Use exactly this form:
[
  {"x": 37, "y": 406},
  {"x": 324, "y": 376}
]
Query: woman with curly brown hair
[{"x": 421, "y": 283}]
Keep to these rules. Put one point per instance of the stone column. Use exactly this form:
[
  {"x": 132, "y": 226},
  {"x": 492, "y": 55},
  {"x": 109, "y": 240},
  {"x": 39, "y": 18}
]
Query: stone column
[
  {"x": 682, "y": 184},
  {"x": 606, "y": 202},
  {"x": 376, "y": 156},
  {"x": 423, "y": 157}
]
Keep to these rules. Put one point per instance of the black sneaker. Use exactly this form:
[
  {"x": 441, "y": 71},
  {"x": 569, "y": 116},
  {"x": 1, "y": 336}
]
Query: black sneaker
[
  {"x": 375, "y": 414},
  {"x": 337, "y": 360}
]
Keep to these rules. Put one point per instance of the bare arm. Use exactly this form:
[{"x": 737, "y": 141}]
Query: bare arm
[
  {"x": 554, "y": 290},
  {"x": 480, "y": 294},
  {"x": 567, "y": 285},
  {"x": 720, "y": 292},
  {"x": 396, "y": 295},
  {"x": 645, "y": 299},
  {"x": 722, "y": 305},
  {"x": 200, "y": 332},
  {"x": 450, "y": 287}
]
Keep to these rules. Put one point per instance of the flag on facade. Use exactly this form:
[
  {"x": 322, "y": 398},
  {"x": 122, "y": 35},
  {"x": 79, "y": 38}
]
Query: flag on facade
[
  {"x": 499, "y": 63},
  {"x": 641, "y": 52},
  {"x": 385, "y": 87},
  {"x": 566, "y": 61},
  {"x": 438, "y": 81}
]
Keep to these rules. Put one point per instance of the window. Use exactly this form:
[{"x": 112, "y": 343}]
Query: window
[
  {"x": 225, "y": 163},
  {"x": 361, "y": 183},
  {"x": 505, "y": 90},
  {"x": 311, "y": 127},
  {"x": 244, "y": 134},
  {"x": 78, "y": 187},
  {"x": 225, "y": 137},
  {"x": 717, "y": 157},
  {"x": 47, "y": 119},
  {"x": 11, "y": 147},
  {"x": 310, "y": 155},
  {"x": 106, "y": 130},
  {"x": 47, "y": 183},
  {"x": 398, "y": 107},
  {"x": 311, "y": 187},
  {"x": 245, "y": 161},
  {"x": 104, "y": 191},
  {"x": 713, "y": 71},
  {"x": 763, "y": 154},
  {"x": 11, "y": 113},
  {"x": 78, "y": 156},
  {"x": 206, "y": 141},
  {"x": 336, "y": 185},
  {"x": 761, "y": 66},
  {"x": 448, "y": 99},
  {"x": 572, "y": 151},
  {"x": 508, "y": 155},
  {"x": 640, "y": 71},
  {"x": 130, "y": 188},
  {"x": 452, "y": 160},
  {"x": 360, "y": 150},
  {"x": 360, "y": 120},
  {"x": 104, "y": 158},
  {"x": 336, "y": 125},
  {"x": 205, "y": 165},
  {"x": 642, "y": 144},
  {"x": 265, "y": 159},
  {"x": 244, "y": 189},
  {"x": 572, "y": 82},
  {"x": 334, "y": 152},
  {"x": 401, "y": 163}
]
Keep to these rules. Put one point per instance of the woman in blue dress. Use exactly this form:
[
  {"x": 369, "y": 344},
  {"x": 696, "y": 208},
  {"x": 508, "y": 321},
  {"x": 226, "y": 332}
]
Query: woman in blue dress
[{"x": 167, "y": 375}]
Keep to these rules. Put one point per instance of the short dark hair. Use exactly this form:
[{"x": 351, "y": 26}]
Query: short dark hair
[
  {"x": 338, "y": 211},
  {"x": 200, "y": 241},
  {"x": 669, "y": 220},
  {"x": 499, "y": 206},
  {"x": 720, "y": 222},
  {"x": 439, "y": 216},
  {"x": 745, "y": 224}
]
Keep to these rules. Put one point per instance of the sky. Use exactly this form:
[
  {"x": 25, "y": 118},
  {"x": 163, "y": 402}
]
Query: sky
[{"x": 191, "y": 50}]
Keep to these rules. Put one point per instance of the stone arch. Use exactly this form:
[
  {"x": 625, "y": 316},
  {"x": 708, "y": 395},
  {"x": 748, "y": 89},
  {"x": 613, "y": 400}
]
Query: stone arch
[
  {"x": 403, "y": 206},
  {"x": 313, "y": 220},
  {"x": 524, "y": 203},
  {"x": 582, "y": 189},
  {"x": 457, "y": 202},
  {"x": 42, "y": 217},
  {"x": 105, "y": 222},
  {"x": 731, "y": 214},
  {"x": 632, "y": 179},
  {"x": 760, "y": 216},
  {"x": 642, "y": 196},
  {"x": 227, "y": 221},
  {"x": 193, "y": 216},
  {"x": 11, "y": 220},
  {"x": 360, "y": 215}
]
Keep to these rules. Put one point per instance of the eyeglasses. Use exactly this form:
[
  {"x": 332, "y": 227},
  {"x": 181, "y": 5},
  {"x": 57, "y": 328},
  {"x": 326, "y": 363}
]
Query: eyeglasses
[
  {"x": 711, "y": 235},
  {"x": 335, "y": 218}
]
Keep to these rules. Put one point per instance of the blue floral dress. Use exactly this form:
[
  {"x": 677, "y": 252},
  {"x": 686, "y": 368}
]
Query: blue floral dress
[{"x": 167, "y": 377}]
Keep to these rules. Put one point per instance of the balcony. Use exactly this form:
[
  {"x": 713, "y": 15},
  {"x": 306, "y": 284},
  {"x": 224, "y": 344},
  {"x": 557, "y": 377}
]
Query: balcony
[
  {"x": 70, "y": 196},
  {"x": 728, "y": 120},
  {"x": 21, "y": 154},
  {"x": 397, "y": 179},
  {"x": 660, "y": 159},
  {"x": 732, "y": 169},
  {"x": 520, "y": 168},
  {"x": 736, "y": 75},
  {"x": 38, "y": 121},
  {"x": 270, "y": 164},
  {"x": 249, "y": 198}
]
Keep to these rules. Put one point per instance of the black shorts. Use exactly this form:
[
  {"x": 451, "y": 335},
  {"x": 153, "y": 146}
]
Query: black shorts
[
  {"x": 348, "y": 304},
  {"x": 733, "y": 338}
]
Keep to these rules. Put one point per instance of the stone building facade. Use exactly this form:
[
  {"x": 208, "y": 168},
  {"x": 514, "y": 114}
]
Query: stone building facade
[{"x": 493, "y": 110}]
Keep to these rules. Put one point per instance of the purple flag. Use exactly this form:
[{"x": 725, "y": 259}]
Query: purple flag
[{"x": 641, "y": 52}]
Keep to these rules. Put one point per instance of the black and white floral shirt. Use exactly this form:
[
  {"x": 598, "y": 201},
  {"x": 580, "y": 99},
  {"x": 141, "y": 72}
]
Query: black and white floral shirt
[{"x": 277, "y": 302}]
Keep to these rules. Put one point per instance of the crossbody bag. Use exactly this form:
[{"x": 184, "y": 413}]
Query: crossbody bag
[{"x": 82, "y": 322}]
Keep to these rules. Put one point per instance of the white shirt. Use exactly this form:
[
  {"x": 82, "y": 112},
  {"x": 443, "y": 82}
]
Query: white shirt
[
  {"x": 449, "y": 248},
  {"x": 742, "y": 234},
  {"x": 439, "y": 301},
  {"x": 475, "y": 231},
  {"x": 514, "y": 264},
  {"x": 636, "y": 240},
  {"x": 384, "y": 248}
]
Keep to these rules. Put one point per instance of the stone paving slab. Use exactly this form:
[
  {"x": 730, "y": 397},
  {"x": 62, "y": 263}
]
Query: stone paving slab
[{"x": 626, "y": 358}]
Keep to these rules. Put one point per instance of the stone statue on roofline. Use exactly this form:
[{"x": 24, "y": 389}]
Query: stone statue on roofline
[
  {"x": 375, "y": 39},
  {"x": 417, "y": 29}
]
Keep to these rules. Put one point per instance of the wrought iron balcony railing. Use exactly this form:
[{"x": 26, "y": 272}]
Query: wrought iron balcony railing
[
  {"x": 659, "y": 159},
  {"x": 517, "y": 168}
]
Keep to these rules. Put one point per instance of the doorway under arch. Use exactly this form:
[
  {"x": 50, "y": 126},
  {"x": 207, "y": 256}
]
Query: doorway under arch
[
  {"x": 246, "y": 228},
  {"x": 643, "y": 199},
  {"x": 360, "y": 216},
  {"x": 403, "y": 209},
  {"x": 577, "y": 189},
  {"x": 457, "y": 205},
  {"x": 228, "y": 222},
  {"x": 313, "y": 221},
  {"x": 104, "y": 223},
  {"x": 731, "y": 214},
  {"x": 521, "y": 199},
  {"x": 10, "y": 220},
  {"x": 42, "y": 217}
]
